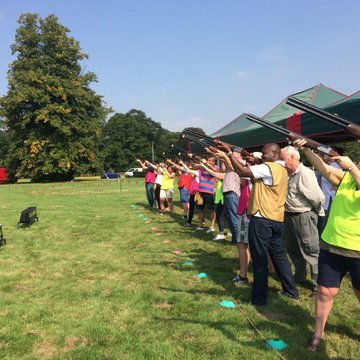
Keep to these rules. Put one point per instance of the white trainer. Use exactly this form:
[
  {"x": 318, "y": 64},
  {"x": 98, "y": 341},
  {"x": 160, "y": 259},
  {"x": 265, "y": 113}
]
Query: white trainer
[
  {"x": 199, "y": 228},
  {"x": 219, "y": 237}
]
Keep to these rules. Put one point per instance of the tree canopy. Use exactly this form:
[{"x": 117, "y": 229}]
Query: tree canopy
[
  {"x": 53, "y": 117},
  {"x": 134, "y": 135}
]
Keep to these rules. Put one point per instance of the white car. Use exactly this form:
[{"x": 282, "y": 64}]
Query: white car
[{"x": 134, "y": 172}]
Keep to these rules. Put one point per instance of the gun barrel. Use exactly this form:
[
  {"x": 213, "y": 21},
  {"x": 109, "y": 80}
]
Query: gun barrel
[
  {"x": 293, "y": 136},
  {"x": 348, "y": 126},
  {"x": 200, "y": 141},
  {"x": 267, "y": 124},
  {"x": 304, "y": 106},
  {"x": 196, "y": 134}
]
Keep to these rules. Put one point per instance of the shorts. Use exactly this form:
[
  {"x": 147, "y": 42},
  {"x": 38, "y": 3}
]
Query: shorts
[
  {"x": 209, "y": 202},
  {"x": 333, "y": 267},
  {"x": 243, "y": 231},
  {"x": 184, "y": 195},
  {"x": 166, "y": 194}
]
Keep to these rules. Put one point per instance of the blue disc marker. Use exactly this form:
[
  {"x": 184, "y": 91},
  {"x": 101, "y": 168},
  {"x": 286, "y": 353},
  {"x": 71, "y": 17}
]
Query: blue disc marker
[
  {"x": 202, "y": 275},
  {"x": 227, "y": 304},
  {"x": 276, "y": 344}
]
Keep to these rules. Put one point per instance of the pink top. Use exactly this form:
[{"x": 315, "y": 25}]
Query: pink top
[
  {"x": 194, "y": 185},
  {"x": 150, "y": 176},
  {"x": 244, "y": 198}
]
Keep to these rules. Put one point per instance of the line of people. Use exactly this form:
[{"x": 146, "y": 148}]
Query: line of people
[{"x": 268, "y": 195}]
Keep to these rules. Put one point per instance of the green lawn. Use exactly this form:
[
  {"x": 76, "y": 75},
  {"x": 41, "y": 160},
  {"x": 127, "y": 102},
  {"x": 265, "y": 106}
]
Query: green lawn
[{"x": 93, "y": 279}]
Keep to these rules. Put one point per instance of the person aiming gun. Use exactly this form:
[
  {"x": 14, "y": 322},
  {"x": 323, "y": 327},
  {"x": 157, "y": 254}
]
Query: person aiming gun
[
  {"x": 266, "y": 208},
  {"x": 340, "y": 241}
]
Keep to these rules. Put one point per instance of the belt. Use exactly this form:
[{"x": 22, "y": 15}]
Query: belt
[
  {"x": 289, "y": 213},
  {"x": 229, "y": 192}
]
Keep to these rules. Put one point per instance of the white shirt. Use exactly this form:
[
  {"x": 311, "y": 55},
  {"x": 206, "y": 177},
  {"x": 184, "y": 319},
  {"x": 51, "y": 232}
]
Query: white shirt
[
  {"x": 263, "y": 172},
  {"x": 328, "y": 188}
]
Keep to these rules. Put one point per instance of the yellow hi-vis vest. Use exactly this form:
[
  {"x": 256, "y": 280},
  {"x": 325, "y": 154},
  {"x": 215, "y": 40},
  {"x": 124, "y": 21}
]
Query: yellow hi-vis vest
[{"x": 343, "y": 226}]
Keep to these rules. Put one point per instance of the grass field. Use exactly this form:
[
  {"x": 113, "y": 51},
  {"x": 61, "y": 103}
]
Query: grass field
[{"x": 96, "y": 278}]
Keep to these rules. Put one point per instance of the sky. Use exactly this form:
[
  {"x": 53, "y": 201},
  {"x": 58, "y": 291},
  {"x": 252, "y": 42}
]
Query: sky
[{"x": 201, "y": 63}]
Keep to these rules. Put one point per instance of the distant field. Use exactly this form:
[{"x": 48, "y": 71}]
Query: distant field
[{"x": 96, "y": 278}]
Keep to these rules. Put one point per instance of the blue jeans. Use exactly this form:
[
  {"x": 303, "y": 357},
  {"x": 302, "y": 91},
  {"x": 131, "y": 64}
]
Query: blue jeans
[
  {"x": 231, "y": 202},
  {"x": 265, "y": 237},
  {"x": 150, "y": 193}
]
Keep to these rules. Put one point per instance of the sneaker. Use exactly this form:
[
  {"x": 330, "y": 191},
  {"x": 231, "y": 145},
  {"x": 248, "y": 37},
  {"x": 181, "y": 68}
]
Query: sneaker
[
  {"x": 219, "y": 237},
  {"x": 199, "y": 228},
  {"x": 210, "y": 230},
  {"x": 187, "y": 225},
  {"x": 240, "y": 280}
]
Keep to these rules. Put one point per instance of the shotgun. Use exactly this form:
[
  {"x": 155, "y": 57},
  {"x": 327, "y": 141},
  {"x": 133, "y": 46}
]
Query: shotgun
[
  {"x": 312, "y": 144},
  {"x": 207, "y": 141},
  {"x": 200, "y": 141},
  {"x": 348, "y": 126}
]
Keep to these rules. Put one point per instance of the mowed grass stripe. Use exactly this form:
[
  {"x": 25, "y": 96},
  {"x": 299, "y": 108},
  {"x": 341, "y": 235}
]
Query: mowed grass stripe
[{"x": 91, "y": 280}]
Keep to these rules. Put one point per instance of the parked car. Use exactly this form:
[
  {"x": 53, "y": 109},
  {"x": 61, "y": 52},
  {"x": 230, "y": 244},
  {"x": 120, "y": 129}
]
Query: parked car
[
  {"x": 135, "y": 172},
  {"x": 3, "y": 176},
  {"x": 110, "y": 175}
]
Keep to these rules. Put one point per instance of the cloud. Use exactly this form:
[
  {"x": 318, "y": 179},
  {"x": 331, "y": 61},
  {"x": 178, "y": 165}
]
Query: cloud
[
  {"x": 241, "y": 74},
  {"x": 196, "y": 121},
  {"x": 275, "y": 55},
  {"x": 179, "y": 125}
]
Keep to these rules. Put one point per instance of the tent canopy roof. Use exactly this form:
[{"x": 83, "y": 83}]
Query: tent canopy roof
[{"x": 249, "y": 135}]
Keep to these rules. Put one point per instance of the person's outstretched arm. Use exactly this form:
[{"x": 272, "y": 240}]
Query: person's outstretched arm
[
  {"x": 332, "y": 174},
  {"x": 348, "y": 165},
  {"x": 218, "y": 175}
]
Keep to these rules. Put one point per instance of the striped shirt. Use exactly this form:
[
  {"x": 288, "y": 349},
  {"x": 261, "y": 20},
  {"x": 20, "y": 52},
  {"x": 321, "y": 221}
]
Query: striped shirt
[{"x": 207, "y": 182}]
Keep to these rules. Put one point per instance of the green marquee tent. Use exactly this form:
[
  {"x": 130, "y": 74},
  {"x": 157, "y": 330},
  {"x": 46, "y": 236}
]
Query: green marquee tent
[
  {"x": 242, "y": 132},
  {"x": 326, "y": 132}
]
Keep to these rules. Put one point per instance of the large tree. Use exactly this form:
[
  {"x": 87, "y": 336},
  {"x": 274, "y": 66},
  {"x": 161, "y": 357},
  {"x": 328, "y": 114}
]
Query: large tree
[
  {"x": 53, "y": 116},
  {"x": 133, "y": 135}
]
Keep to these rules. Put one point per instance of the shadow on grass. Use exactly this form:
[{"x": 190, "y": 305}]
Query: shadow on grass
[{"x": 283, "y": 317}]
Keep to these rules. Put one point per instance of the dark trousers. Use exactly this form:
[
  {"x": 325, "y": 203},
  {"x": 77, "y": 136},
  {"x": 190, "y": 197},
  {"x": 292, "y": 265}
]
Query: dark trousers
[
  {"x": 157, "y": 194},
  {"x": 220, "y": 216},
  {"x": 150, "y": 193},
  {"x": 265, "y": 237},
  {"x": 191, "y": 208}
]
